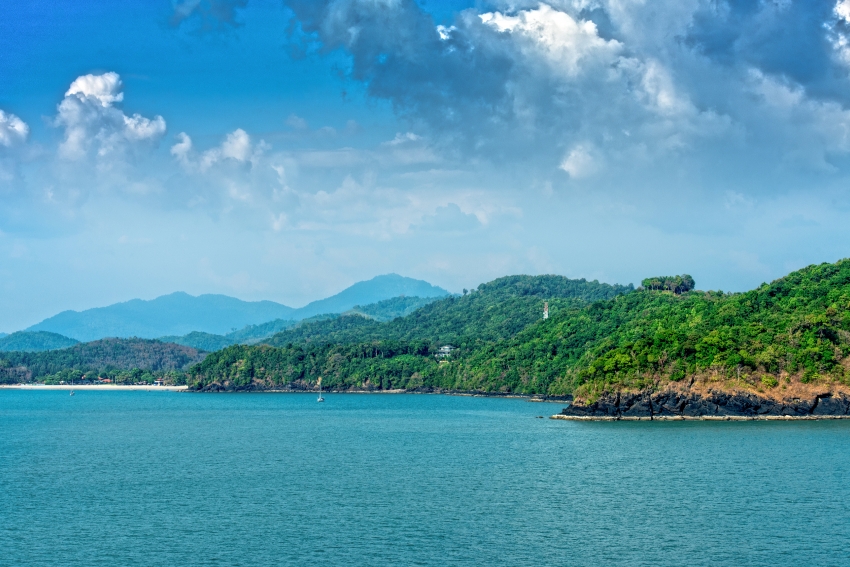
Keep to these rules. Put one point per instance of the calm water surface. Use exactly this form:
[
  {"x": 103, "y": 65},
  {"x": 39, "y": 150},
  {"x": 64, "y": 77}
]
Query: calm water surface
[{"x": 157, "y": 478}]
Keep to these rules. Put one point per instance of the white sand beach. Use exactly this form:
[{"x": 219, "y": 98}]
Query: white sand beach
[{"x": 82, "y": 387}]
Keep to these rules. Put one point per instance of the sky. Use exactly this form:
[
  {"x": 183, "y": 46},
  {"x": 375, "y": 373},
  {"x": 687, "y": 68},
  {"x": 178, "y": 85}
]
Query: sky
[{"x": 284, "y": 150}]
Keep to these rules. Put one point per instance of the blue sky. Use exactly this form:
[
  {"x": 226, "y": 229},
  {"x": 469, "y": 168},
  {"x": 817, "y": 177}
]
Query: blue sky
[{"x": 284, "y": 150}]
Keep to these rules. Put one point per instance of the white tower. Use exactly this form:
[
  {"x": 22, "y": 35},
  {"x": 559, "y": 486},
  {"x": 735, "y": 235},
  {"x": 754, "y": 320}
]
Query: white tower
[{"x": 545, "y": 310}]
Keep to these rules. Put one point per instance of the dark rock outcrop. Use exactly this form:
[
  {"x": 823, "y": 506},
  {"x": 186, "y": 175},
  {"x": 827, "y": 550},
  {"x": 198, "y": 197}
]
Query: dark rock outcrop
[{"x": 671, "y": 404}]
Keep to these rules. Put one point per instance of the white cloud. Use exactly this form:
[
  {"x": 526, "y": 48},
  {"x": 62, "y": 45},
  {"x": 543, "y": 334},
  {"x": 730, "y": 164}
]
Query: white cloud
[
  {"x": 579, "y": 162},
  {"x": 13, "y": 130},
  {"x": 837, "y": 31},
  {"x": 106, "y": 88},
  {"x": 842, "y": 10},
  {"x": 182, "y": 149},
  {"x": 90, "y": 119},
  {"x": 568, "y": 45},
  {"x": 139, "y": 128},
  {"x": 236, "y": 146}
]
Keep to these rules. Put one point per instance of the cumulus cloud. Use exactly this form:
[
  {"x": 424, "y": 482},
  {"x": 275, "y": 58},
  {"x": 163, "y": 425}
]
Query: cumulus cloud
[
  {"x": 91, "y": 119},
  {"x": 570, "y": 46},
  {"x": 13, "y": 130},
  {"x": 106, "y": 88}
]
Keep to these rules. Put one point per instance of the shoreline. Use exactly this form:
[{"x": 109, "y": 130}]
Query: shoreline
[
  {"x": 700, "y": 418},
  {"x": 121, "y": 387},
  {"x": 93, "y": 387},
  {"x": 473, "y": 394}
]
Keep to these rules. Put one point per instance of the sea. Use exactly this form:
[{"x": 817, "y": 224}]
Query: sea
[{"x": 263, "y": 479}]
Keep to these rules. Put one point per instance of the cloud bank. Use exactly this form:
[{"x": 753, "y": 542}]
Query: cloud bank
[{"x": 741, "y": 83}]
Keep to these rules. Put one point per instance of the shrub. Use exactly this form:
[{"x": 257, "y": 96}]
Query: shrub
[{"x": 769, "y": 381}]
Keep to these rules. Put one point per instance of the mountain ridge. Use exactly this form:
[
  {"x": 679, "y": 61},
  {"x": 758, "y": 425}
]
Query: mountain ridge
[{"x": 178, "y": 313}]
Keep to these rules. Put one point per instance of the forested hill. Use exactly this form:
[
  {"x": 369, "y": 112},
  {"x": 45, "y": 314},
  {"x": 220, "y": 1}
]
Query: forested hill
[
  {"x": 794, "y": 330},
  {"x": 771, "y": 340},
  {"x": 101, "y": 358},
  {"x": 34, "y": 341},
  {"x": 385, "y": 310},
  {"x": 494, "y": 311},
  {"x": 392, "y": 308},
  {"x": 784, "y": 339}
]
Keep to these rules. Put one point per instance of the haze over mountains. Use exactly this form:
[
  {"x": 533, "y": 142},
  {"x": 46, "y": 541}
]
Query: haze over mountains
[{"x": 180, "y": 313}]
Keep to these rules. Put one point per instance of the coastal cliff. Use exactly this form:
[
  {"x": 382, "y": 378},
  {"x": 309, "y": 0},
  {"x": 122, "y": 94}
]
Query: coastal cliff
[{"x": 713, "y": 401}]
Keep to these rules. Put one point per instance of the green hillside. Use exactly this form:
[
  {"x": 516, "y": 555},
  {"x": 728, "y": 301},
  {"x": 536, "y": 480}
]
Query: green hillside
[
  {"x": 352, "y": 350},
  {"x": 392, "y": 308},
  {"x": 794, "y": 330},
  {"x": 494, "y": 311},
  {"x": 199, "y": 340},
  {"x": 254, "y": 333},
  {"x": 34, "y": 341},
  {"x": 127, "y": 360}
]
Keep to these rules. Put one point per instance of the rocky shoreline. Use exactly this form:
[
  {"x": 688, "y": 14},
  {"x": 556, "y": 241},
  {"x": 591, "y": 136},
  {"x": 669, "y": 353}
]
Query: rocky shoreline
[{"x": 712, "y": 405}]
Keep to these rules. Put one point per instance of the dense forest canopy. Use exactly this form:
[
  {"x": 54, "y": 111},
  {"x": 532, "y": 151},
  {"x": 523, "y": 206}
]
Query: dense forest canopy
[
  {"x": 103, "y": 358},
  {"x": 676, "y": 284},
  {"x": 392, "y": 308},
  {"x": 797, "y": 326},
  {"x": 494, "y": 311},
  {"x": 597, "y": 337},
  {"x": 34, "y": 341}
]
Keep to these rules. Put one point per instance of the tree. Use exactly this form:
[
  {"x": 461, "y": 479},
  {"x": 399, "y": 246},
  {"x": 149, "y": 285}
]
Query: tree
[{"x": 676, "y": 284}]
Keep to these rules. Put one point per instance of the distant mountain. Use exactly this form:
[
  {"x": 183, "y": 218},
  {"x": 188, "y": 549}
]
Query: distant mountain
[
  {"x": 37, "y": 341},
  {"x": 175, "y": 314},
  {"x": 385, "y": 310},
  {"x": 179, "y": 314},
  {"x": 3, "y": 335},
  {"x": 368, "y": 292}
]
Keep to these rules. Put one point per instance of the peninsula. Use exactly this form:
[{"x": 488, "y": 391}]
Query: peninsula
[{"x": 662, "y": 351}]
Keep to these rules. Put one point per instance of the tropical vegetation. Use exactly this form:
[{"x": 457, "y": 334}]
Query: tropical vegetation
[{"x": 598, "y": 337}]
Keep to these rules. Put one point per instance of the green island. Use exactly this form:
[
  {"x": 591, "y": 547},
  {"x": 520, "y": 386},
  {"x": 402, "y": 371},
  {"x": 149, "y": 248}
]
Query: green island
[{"x": 663, "y": 350}]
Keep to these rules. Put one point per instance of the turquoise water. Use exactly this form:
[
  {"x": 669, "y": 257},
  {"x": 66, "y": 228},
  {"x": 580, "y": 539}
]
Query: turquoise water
[{"x": 156, "y": 478}]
